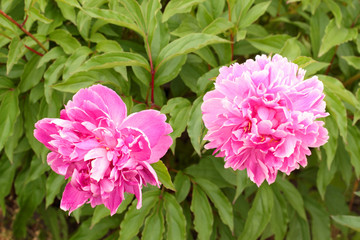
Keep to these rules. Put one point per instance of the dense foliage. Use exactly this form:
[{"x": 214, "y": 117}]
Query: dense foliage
[{"x": 164, "y": 55}]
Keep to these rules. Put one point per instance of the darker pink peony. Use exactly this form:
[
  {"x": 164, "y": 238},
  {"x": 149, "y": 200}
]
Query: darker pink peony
[
  {"x": 104, "y": 151},
  {"x": 262, "y": 117}
]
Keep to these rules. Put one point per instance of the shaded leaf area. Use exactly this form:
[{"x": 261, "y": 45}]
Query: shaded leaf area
[{"x": 166, "y": 55}]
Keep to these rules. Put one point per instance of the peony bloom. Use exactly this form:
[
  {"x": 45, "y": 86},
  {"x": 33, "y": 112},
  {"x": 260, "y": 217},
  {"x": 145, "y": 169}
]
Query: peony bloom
[
  {"x": 262, "y": 117},
  {"x": 104, "y": 151}
]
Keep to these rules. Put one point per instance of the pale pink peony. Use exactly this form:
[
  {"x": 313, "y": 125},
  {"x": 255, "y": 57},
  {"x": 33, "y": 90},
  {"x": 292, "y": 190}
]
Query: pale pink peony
[
  {"x": 262, "y": 117},
  {"x": 104, "y": 151}
]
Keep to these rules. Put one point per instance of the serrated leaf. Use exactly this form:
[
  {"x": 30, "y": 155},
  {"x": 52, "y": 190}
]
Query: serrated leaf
[
  {"x": 187, "y": 44},
  {"x": 292, "y": 195},
  {"x": 178, "y": 6},
  {"x": 335, "y": 36},
  {"x": 219, "y": 25},
  {"x": 220, "y": 201},
  {"x": 163, "y": 174},
  {"x": 114, "y": 59},
  {"x": 134, "y": 218},
  {"x": 154, "y": 225},
  {"x": 175, "y": 219},
  {"x": 65, "y": 40},
  {"x": 182, "y": 186},
  {"x": 195, "y": 125},
  {"x": 260, "y": 213},
  {"x": 203, "y": 215}
]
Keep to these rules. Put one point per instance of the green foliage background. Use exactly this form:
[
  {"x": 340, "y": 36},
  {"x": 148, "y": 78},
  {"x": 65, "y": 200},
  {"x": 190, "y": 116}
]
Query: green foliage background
[{"x": 175, "y": 48}]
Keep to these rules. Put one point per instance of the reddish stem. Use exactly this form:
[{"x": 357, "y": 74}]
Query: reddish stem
[
  {"x": 152, "y": 72},
  {"x": 331, "y": 62},
  {"x": 231, "y": 32},
  {"x": 34, "y": 51},
  {"x": 26, "y": 18},
  {"x": 356, "y": 184},
  {"x": 23, "y": 29}
]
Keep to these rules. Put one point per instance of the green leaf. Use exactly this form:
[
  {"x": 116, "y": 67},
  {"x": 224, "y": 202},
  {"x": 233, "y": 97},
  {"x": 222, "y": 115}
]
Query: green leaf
[
  {"x": 175, "y": 219},
  {"x": 31, "y": 75},
  {"x": 100, "y": 212},
  {"x": 353, "y": 61},
  {"x": 298, "y": 229},
  {"x": 16, "y": 51},
  {"x": 74, "y": 62},
  {"x": 336, "y": 10},
  {"x": 291, "y": 49},
  {"x": 9, "y": 110},
  {"x": 73, "y": 3},
  {"x": 242, "y": 181},
  {"x": 67, "y": 11},
  {"x": 134, "y": 218},
  {"x": 352, "y": 222},
  {"x": 114, "y": 59},
  {"x": 336, "y": 87},
  {"x": 65, "y": 40},
  {"x": 77, "y": 81},
  {"x": 353, "y": 148},
  {"x": 279, "y": 218},
  {"x": 337, "y": 109},
  {"x": 134, "y": 11},
  {"x": 320, "y": 224},
  {"x": 182, "y": 186},
  {"x": 260, "y": 213},
  {"x": 7, "y": 173},
  {"x": 125, "y": 203},
  {"x": 179, "y": 110},
  {"x": 269, "y": 44},
  {"x": 163, "y": 174},
  {"x": 51, "y": 76},
  {"x": 331, "y": 146},
  {"x": 154, "y": 225},
  {"x": 178, "y": 6},
  {"x": 195, "y": 125},
  {"x": 119, "y": 17},
  {"x": 169, "y": 71},
  {"x": 220, "y": 201},
  {"x": 310, "y": 65},
  {"x": 35, "y": 14},
  {"x": 54, "y": 183},
  {"x": 324, "y": 177},
  {"x": 293, "y": 196},
  {"x": 253, "y": 14},
  {"x": 335, "y": 36},
  {"x": 187, "y": 44},
  {"x": 203, "y": 215},
  {"x": 219, "y": 25},
  {"x": 54, "y": 53}
]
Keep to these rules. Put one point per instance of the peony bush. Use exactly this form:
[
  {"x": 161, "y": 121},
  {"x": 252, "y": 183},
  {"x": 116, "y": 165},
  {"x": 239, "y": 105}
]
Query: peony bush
[{"x": 170, "y": 119}]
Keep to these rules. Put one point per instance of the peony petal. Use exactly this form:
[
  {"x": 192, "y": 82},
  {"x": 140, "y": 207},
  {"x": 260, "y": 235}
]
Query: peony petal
[{"x": 73, "y": 198}]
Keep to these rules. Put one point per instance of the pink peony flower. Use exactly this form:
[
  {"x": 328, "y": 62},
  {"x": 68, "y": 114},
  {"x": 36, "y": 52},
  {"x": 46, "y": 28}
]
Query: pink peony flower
[
  {"x": 262, "y": 117},
  {"x": 104, "y": 151}
]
